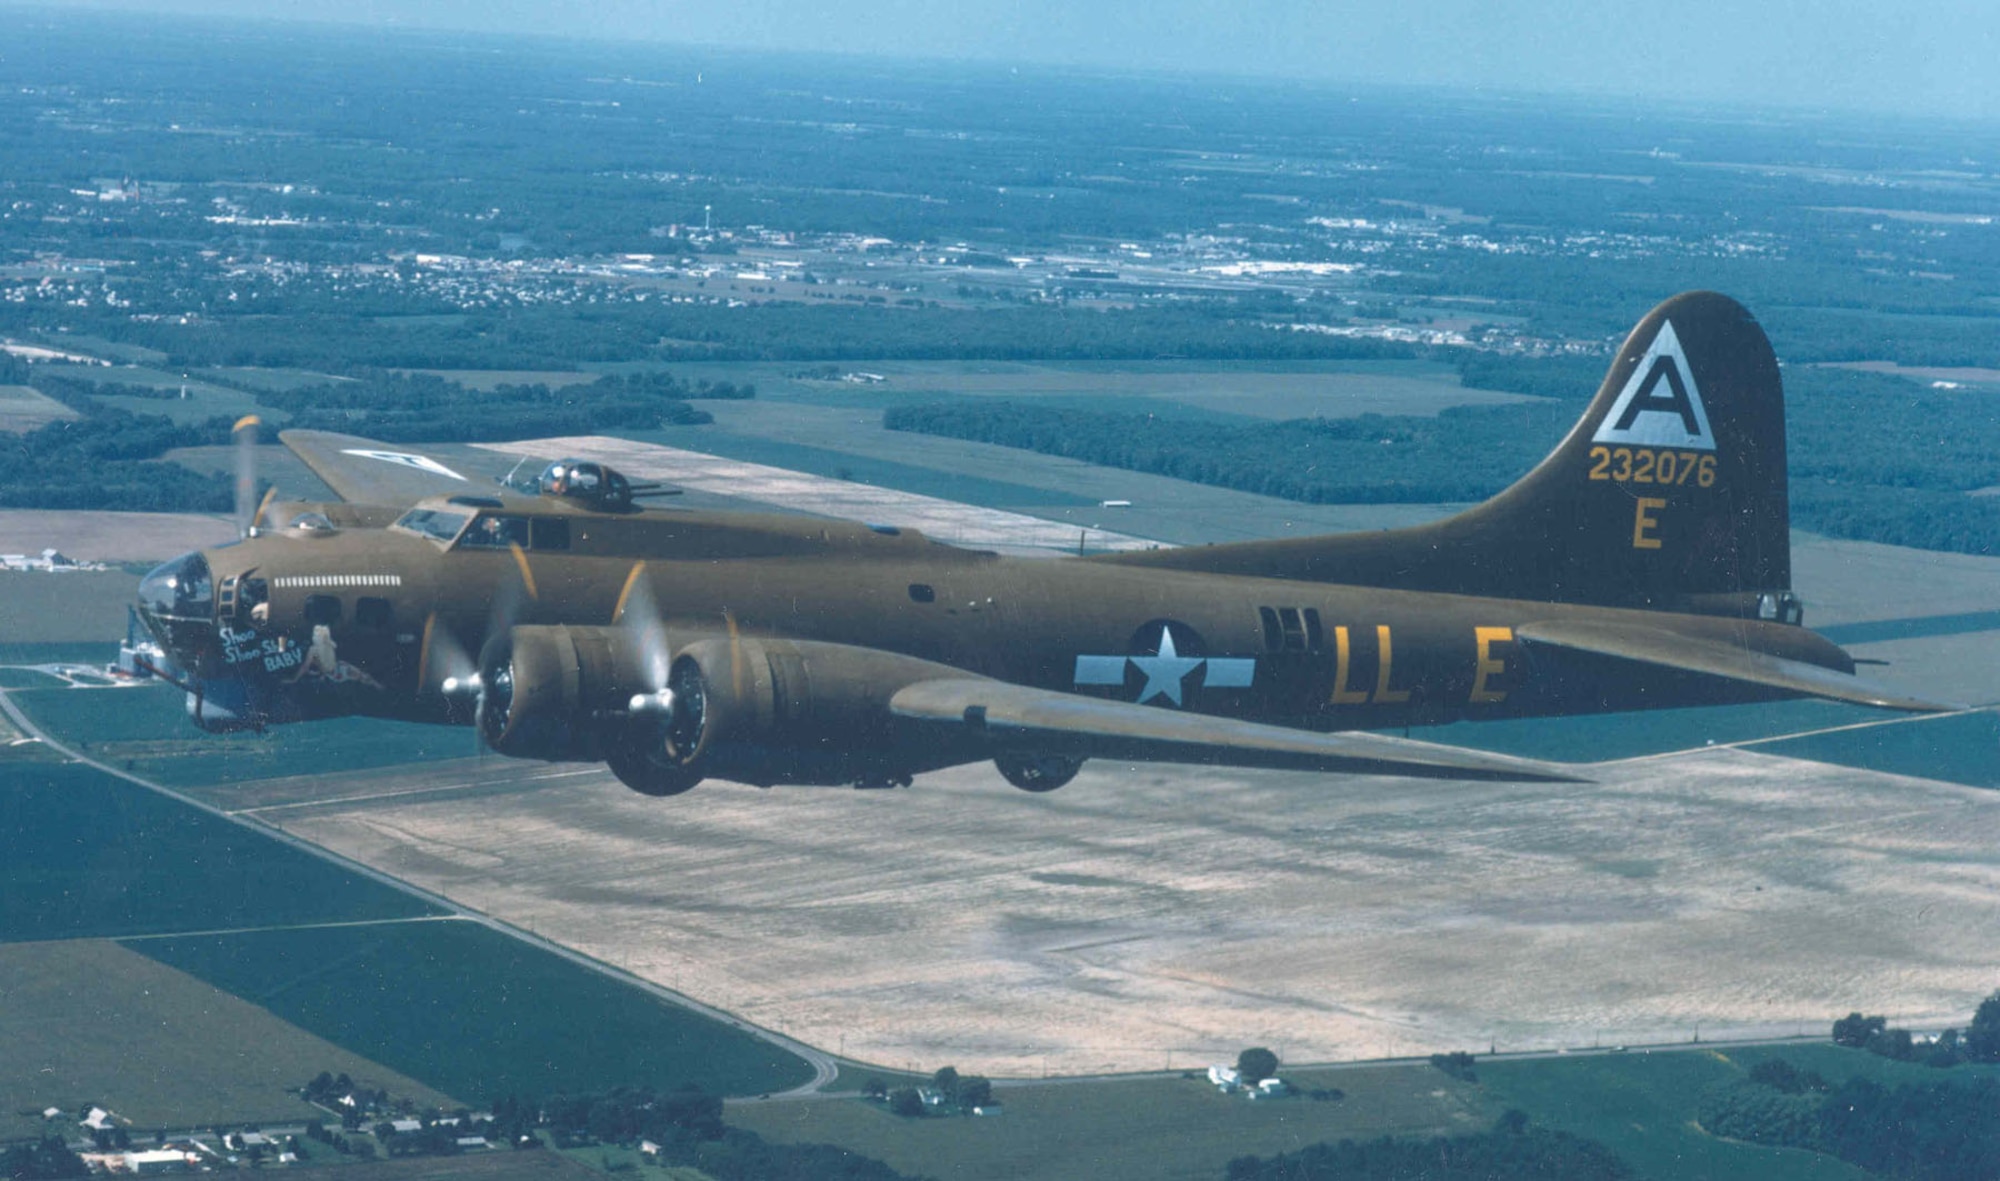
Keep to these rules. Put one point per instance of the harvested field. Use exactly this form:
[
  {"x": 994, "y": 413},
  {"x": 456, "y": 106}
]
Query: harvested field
[
  {"x": 1157, "y": 910},
  {"x": 110, "y": 537},
  {"x": 156, "y": 1046}
]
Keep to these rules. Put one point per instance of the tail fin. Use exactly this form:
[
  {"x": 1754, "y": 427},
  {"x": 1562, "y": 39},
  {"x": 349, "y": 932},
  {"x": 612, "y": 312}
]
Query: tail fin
[{"x": 1670, "y": 492}]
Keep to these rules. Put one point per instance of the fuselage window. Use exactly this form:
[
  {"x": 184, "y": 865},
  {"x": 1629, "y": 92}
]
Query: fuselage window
[
  {"x": 549, "y": 533},
  {"x": 370, "y": 611},
  {"x": 1289, "y": 629},
  {"x": 496, "y": 533},
  {"x": 432, "y": 524},
  {"x": 322, "y": 609}
]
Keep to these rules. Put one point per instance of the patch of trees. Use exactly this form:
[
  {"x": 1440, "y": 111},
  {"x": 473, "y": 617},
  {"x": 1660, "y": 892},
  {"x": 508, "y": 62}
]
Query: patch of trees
[
  {"x": 1941, "y": 1131},
  {"x": 1256, "y": 1064},
  {"x": 13, "y": 370},
  {"x": 1465, "y": 453},
  {"x": 1457, "y": 1064},
  {"x": 1513, "y": 1148},
  {"x": 106, "y": 461},
  {"x": 422, "y": 407},
  {"x": 1979, "y": 1043}
]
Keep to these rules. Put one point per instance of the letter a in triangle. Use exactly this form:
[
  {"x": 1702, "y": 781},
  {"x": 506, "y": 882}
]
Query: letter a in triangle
[{"x": 1660, "y": 406}]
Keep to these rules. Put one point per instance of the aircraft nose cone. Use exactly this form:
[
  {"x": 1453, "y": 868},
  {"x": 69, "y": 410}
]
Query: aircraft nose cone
[
  {"x": 177, "y": 601},
  {"x": 180, "y": 589}
]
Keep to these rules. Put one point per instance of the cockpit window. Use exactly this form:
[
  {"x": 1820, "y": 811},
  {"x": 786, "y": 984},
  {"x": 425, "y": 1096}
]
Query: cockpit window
[
  {"x": 495, "y": 532},
  {"x": 437, "y": 526}
]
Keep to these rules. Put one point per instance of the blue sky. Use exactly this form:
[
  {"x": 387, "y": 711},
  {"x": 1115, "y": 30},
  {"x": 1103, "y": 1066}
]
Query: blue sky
[{"x": 1930, "y": 57}]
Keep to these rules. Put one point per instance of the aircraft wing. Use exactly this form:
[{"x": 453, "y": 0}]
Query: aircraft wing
[
  {"x": 1065, "y": 723},
  {"x": 367, "y": 472},
  {"x": 1665, "y": 649}
]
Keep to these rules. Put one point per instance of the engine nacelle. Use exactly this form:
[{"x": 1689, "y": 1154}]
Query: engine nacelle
[
  {"x": 793, "y": 711},
  {"x": 545, "y": 691}
]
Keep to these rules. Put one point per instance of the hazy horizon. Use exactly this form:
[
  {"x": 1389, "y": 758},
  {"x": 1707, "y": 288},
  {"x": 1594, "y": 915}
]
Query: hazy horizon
[{"x": 1932, "y": 60}]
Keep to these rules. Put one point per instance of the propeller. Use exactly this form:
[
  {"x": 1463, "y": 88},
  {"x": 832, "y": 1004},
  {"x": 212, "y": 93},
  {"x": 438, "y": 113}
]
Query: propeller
[
  {"x": 639, "y": 615},
  {"x": 248, "y": 514}
]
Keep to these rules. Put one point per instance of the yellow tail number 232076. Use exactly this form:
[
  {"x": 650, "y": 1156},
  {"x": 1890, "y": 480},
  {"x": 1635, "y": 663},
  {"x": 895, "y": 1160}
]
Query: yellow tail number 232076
[{"x": 1643, "y": 465}]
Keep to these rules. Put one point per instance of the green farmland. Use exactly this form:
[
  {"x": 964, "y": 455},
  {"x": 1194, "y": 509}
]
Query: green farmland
[
  {"x": 84, "y": 855},
  {"x": 477, "y": 1014}
]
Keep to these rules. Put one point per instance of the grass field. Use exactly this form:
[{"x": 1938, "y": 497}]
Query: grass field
[
  {"x": 204, "y": 399},
  {"x": 89, "y": 1021},
  {"x": 1276, "y": 390},
  {"x": 485, "y": 1166},
  {"x": 269, "y": 379},
  {"x": 1641, "y": 1105},
  {"x": 89, "y": 605},
  {"x": 1129, "y": 1130},
  {"x": 85, "y": 855},
  {"x": 477, "y": 1014},
  {"x": 22, "y": 408}
]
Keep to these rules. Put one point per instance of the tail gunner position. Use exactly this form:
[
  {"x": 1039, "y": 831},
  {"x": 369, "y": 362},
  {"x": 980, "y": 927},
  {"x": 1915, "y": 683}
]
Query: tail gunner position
[{"x": 1645, "y": 563}]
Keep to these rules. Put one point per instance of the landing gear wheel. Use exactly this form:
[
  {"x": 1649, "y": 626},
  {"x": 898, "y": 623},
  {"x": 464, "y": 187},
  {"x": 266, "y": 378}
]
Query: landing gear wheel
[
  {"x": 1037, "y": 772},
  {"x": 650, "y": 774}
]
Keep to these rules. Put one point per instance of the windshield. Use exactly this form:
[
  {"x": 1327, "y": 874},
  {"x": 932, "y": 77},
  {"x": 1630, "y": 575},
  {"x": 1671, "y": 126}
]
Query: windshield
[{"x": 438, "y": 526}]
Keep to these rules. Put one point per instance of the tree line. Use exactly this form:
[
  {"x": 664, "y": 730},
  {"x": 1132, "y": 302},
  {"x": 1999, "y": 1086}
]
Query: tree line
[{"x": 1514, "y": 1147}]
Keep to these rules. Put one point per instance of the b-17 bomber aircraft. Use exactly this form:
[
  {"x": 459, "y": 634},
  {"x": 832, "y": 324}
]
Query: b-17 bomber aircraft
[{"x": 1645, "y": 563}]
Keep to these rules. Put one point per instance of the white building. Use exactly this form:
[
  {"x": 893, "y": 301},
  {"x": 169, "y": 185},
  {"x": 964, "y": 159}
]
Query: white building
[
  {"x": 158, "y": 1160},
  {"x": 1225, "y": 1077}
]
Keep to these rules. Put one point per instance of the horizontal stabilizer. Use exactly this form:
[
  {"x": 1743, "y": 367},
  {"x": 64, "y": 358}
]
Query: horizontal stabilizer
[
  {"x": 1666, "y": 649},
  {"x": 367, "y": 472},
  {"x": 1020, "y": 717}
]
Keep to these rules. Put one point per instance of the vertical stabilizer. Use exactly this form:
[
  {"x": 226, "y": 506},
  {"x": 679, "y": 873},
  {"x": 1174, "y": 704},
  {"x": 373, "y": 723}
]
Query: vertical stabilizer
[{"x": 1669, "y": 492}]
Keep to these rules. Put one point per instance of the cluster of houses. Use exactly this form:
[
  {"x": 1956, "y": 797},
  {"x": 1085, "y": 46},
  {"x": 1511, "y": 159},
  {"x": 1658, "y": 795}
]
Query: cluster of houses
[
  {"x": 178, "y": 1155},
  {"x": 1229, "y": 1081},
  {"x": 49, "y": 561}
]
